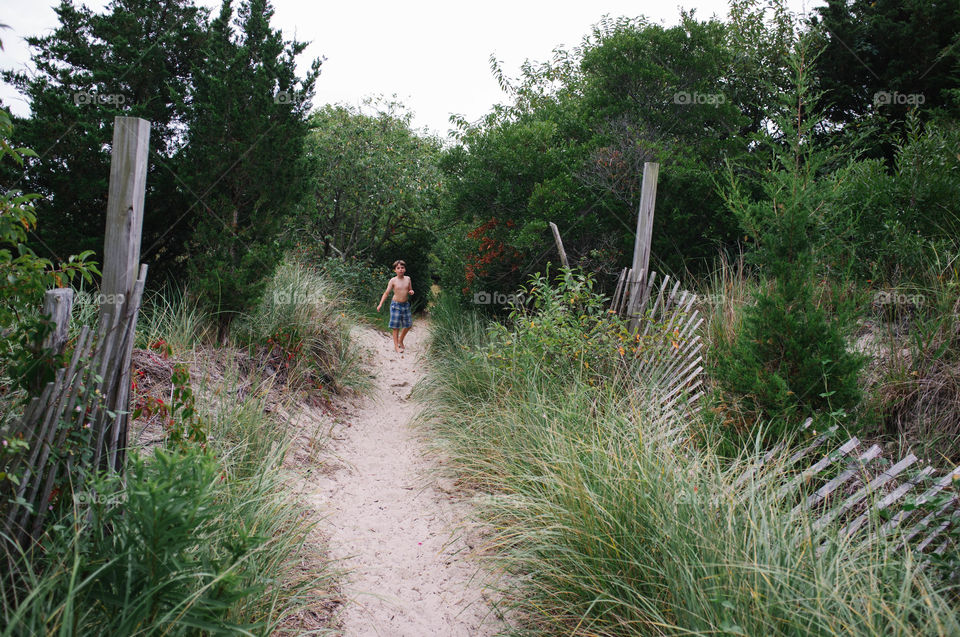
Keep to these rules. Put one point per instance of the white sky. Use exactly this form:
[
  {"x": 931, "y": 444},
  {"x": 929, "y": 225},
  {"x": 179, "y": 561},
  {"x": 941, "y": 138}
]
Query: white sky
[{"x": 433, "y": 55}]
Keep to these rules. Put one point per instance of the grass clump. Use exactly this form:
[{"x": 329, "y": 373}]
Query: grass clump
[
  {"x": 302, "y": 331},
  {"x": 197, "y": 539},
  {"x": 914, "y": 385},
  {"x": 172, "y": 317},
  {"x": 612, "y": 525}
]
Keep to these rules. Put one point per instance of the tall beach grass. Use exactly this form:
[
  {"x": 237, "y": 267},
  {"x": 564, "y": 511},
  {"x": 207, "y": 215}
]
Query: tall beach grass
[
  {"x": 196, "y": 541},
  {"x": 197, "y": 538},
  {"x": 611, "y": 526}
]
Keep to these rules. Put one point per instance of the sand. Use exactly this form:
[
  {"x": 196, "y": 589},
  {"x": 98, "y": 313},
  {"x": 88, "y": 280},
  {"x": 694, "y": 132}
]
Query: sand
[{"x": 394, "y": 524}]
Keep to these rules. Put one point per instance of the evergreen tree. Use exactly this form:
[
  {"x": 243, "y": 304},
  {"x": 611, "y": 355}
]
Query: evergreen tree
[
  {"x": 789, "y": 358},
  {"x": 136, "y": 59},
  {"x": 885, "y": 57},
  {"x": 245, "y": 155}
]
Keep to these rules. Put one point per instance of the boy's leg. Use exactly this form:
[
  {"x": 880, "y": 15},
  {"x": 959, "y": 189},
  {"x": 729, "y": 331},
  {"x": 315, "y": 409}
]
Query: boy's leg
[
  {"x": 396, "y": 340},
  {"x": 403, "y": 335}
]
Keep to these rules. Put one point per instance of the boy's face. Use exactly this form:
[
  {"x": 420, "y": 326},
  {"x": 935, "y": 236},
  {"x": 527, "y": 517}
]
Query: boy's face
[{"x": 400, "y": 269}]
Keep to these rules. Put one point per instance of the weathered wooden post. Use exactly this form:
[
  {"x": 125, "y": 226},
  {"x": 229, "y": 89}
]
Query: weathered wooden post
[
  {"x": 93, "y": 390},
  {"x": 121, "y": 269},
  {"x": 637, "y": 285},
  {"x": 559, "y": 242},
  {"x": 58, "y": 304}
]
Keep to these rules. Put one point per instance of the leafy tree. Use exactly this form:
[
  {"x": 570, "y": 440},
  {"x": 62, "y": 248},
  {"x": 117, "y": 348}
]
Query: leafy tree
[
  {"x": 902, "y": 214},
  {"x": 136, "y": 59},
  {"x": 667, "y": 94},
  {"x": 245, "y": 152},
  {"x": 374, "y": 188},
  {"x": 504, "y": 184},
  {"x": 760, "y": 34},
  {"x": 25, "y": 278},
  {"x": 571, "y": 148}
]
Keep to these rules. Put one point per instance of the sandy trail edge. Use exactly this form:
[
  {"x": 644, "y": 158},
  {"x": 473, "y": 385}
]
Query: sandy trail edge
[{"x": 393, "y": 524}]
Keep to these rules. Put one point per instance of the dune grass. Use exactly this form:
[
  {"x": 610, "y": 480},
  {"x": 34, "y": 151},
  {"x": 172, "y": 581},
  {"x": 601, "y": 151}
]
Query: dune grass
[
  {"x": 199, "y": 537},
  {"x": 610, "y": 526},
  {"x": 302, "y": 320},
  {"x": 197, "y": 541}
]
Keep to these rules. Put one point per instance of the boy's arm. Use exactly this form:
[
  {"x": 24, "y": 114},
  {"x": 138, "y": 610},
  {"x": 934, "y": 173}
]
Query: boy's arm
[
  {"x": 411, "y": 285},
  {"x": 385, "y": 293}
]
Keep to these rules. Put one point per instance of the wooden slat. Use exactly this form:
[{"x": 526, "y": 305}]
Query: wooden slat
[
  {"x": 864, "y": 491},
  {"x": 819, "y": 440},
  {"x": 921, "y": 526},
  {"x": 887, "y": 501},
  {"x": 121, "y": 404},
  {"x": 826, "y": 461},
  {"x": 676, "y": 359},
  {"x": 852, "y": 469},
  {"x": 618, "y": 291},
  {"x": 677, "y": 383},
  {"x": 647, "y": 289},
  {"x": 695, "y": 385},
  {"x": 940, "y": 484},
  {"x": 940, "y": 528},
  {"x": 752, "y": 469},
  {"x": 559, "y": 242}
]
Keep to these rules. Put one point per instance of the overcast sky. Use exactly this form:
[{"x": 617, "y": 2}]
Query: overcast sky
[{"x": 432, "y": 54}]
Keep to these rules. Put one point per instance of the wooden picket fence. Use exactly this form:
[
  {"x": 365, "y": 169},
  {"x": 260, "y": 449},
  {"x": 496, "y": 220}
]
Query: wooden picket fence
[
  {"x": 666, "y": 316},
  {"x": 854, "y": 487},
  {"x": 77, "y": 425}
]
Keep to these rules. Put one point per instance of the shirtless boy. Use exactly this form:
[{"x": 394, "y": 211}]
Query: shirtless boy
[{"x": 400, "y": 318}]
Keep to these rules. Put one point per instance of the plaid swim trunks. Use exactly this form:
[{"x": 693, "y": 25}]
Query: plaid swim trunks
[{"x": 400, "y": 315}]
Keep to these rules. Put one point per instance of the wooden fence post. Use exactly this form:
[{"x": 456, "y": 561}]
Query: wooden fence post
[
  {"x": 58, "y": 304},
  {"x": 121, "y": 258},
  {"x": 556, "y": 238},
  {"x": 641, "y": 244}
]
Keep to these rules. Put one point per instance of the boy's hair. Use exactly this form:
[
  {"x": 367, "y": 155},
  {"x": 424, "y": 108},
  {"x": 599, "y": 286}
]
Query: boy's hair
[{"x": 398, "y": 262}]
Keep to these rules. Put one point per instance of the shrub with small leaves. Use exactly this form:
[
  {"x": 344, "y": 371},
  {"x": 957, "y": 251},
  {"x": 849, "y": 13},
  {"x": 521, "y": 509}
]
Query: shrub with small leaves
[{"x": 25, "y": 278}]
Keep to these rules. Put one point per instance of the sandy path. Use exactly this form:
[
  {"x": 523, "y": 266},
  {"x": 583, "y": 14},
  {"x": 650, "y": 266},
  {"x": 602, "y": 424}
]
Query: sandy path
[{"x": 393, "y": 524}]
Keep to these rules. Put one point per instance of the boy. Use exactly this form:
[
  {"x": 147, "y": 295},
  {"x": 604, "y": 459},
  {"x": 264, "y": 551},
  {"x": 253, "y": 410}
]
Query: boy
[{"x": 400, "y": 305}]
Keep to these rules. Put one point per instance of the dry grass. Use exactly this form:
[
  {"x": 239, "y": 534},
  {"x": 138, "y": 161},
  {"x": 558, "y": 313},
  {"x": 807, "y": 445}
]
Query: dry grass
[{"x": 915, "y": 392}]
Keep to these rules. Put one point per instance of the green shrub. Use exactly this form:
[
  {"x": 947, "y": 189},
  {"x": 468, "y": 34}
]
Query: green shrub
[
  {"x": 559, "y": 328},
  {"x": 25, "y": 278},
  {"x": 889, "y": 221},
  {"x": 190, "y": 542},
  {"x": 790, "y": 357}
]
